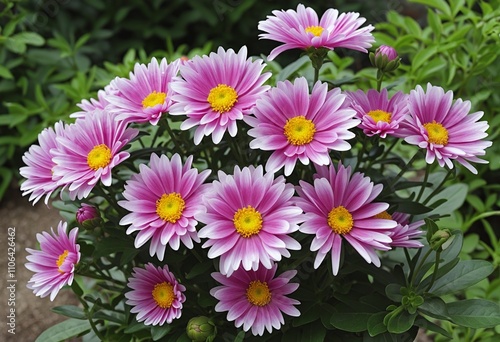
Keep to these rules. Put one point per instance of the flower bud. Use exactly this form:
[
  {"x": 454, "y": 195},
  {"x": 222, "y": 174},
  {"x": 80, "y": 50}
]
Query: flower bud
[
  {"x": 441, "y": 239},
  {"x": 88, "y": 216},
  {"x": 201, "y": 329},
  {"x": 385, "y": 58},
  {"x": 388, "y": 51}
]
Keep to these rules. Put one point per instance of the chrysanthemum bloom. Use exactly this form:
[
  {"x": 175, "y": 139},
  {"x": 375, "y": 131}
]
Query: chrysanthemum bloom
[
  {"x": 89, "y": 150},
  {"x": 163, "y": 199},
  {"x": 256, "y": 299},
  {"x": 248, "y": 219},
  {"x": 298, "y": 125},
  {"x": 100, "y": 104},
  {"x": 378, "y": 114},
  {"x": 301, "y": 29},
  {"x": 54, "y": 264},
  {"x": 339, "y": 206},
  {"x": 156, "y": 296},
  {"x": 217, "y": 90},
  {"x": 39, "y": 165},
  {"x": 145, "y": 95},
  {"x": 445, "y": 129}
]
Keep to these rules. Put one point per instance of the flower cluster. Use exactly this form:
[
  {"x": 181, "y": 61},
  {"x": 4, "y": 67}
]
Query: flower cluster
[{"x": 252, "y": 217}]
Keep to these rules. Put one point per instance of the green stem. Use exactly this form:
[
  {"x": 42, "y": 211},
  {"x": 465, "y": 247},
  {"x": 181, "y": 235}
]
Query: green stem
[
  {"x": 434, "y": 271},
  {"x": 424, "y": 183},
  {"x": 438, "y": 188},
  {"x": 316, "y": 74},
  {"x": 99, "y": 190},
  {"x": 380, "y": 77},
  {"x": 172, "y": 136},
  {"x": 403, "y": 170},
  {"x": 419, "y": 266},
  {"x": 408, "y": 260},
  {"x": 91, "y": 321}
]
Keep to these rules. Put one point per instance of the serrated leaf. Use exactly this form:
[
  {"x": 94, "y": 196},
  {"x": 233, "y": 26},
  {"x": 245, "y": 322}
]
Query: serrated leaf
[
  {"x": 474, "y": 313},
  {"x": 64, "y": 330}
]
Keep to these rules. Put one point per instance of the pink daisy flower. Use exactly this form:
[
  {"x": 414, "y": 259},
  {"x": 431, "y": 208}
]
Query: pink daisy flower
[
  {"x": 217, "y": 90},
  {"x": 378, "y": 114},
  {"x": 445, "y": 128},
  {"x": 100, "y": 104},
  {"x": 145, "y": 95},
  {"x": 163, "y": 199},
  {"x": 54, "y": 264},
  {"x": 39, "y": 165},
  {"x": 256, "y": 299},
  {"x": 249, "y": 218},
  {"x": 88, "y": 151},
  {"x": 301, "y": 29},
  {"x": 298, "y": 125},
  {"x": 339, "y": 206},
  {"x": 156, "y": 296},
  {"x": 405, "y": 233}
]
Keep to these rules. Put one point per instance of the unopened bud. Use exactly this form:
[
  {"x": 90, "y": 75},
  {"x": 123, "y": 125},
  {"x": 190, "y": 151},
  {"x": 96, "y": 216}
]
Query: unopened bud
[
  {"x": 88, "y": 216},
  {"x": 201, "y": 329},
  {"x": 385, "y": 58},
  {"x": 441, "y": 239}
]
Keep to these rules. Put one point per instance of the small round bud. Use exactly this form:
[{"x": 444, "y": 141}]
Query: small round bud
[
  {"x": 388, "y": 51},
  {"x": 385, "y": 58},
  {"x": 201, "y": 329},
  {"x": 88, "y": 216},
  {"x": 441, "y": 239}
]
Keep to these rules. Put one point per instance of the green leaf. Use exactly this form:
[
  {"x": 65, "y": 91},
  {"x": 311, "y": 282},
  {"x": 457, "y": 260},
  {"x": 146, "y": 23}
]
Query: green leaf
[
  {"x": 434, "y": 307},
  {"x": 6, "y": 176},
  {"x": 351, "y": 321},
  {"x": 70, "y": 311},
  {"x": 435, "y": 23},
  {"x": 64, "y": 330},
  {"x": 376, "y": 324},
  {"x": 157, "y": 332},
  {"x": 5, "y": 73},
  {"x": 463, "y": 275},
  {"x": 401, "y": 322},
  {"x": 429, "y": 326},
  {"x": 30, "y": 38},
  {"x": 198, "y": 269},
  {"x": 15, "y": 45},
  {"x": 423, "y": 57},
  {"x": 474, "y": 313},
  {"x": 290, "y": 69},
  {"x": 440, "y": 5}
]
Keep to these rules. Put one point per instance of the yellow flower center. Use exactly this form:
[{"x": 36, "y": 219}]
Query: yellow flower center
[
  {"x": 222, "y": 98},
  {"x": 61, "y": 259},
  {"x": 163, "y": 294},
  {"x": 437, "y": 133},
  {"x": 340, "y": 220},
  {"x": 315, "y": 30},
  {"x": 299, "y": 130},
  {"x": 258, "y": 293},
  {"x": 154, "y": 99},
  {"x": 247, "y": 221},
  {"x": 170, "y": 207},
  {"x": 99, "y": 156},
  {"x": 379, "y": 115},
  {"x": 384, "y": 215}
]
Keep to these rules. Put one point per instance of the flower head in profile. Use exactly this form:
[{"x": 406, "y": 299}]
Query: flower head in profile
[
  {"x": 340, "y": 206},
  {"x": 379, "y": 115},
  {"x": 155, "y": 296},
  {"x": 39, "y": 165},
  {"x": 163, "y": 198},
  {"x": 217, "y": 90},
  {"x": 100, "y": 104},
  {"x": 145, "y": 95},
  {"x": 89, "y": 150},
  {"x": 406, "y": 234},
  {"x": 302, "y": 29},
  {"x": 54, "y": 264},
  {"x": 249, "y": 216},
  {"x": 445, "y": 128},
  {"x": 256, "y": 299},
  {"x": 296, "y": 125}
]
